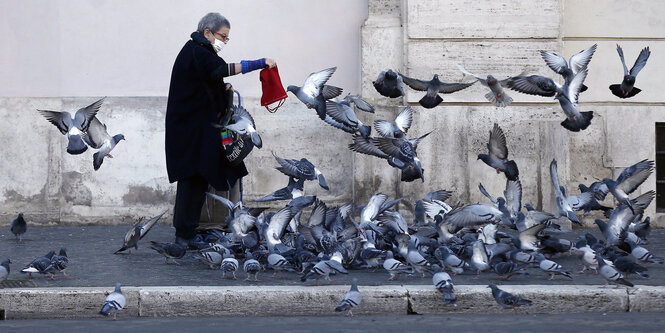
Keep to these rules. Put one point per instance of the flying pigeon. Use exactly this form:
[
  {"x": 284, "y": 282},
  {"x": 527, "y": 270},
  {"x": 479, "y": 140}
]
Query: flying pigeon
[
  {"x": 359, "y": 103},
  {"x": 314, "y": 92},
  {"x": 302, "y": 169},
  {"x": 345, "y": 114},
  {"x": 433, "y": 88},
  {"x": 565, "y": 205},
  {"x": 389, "y": 84},
  {"x": 169, "y": 250},
  {"x": 443, "y": 283},
  {"x": 351, "y": 299},
  {"x": 627, "y": 87},
  {"x": 73, "y": 125},
  {"x": 19, "y": 227},
  {"x": 4, "y": 269},
  {"x": 497, "y": 156},
  {"x": 114, "y": 302},
  {"x": 137, "y": 232},
  {"x": 566, "y": 94},
  {"x": 97, "y": 137},
  {"x": 576, "y": 63},
  {"x": 397, "y": 128},
  {"x": 629, "y": 180},
  {"x": 496, "y": 95},
  {"x": 293, "y": 190},
  {"x": 507, "y": 300},
  {"x": 243, "y": 124}
]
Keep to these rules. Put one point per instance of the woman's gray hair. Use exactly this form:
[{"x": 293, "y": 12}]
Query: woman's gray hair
[{"x": 214, "y": 22}]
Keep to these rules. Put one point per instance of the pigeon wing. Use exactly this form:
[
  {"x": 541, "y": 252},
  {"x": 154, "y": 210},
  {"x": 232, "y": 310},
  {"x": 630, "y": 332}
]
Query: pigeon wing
[
  {"x": 415, "y": 84},
  {"x": 633, "y": 176},
  {"x": 513, "y": 195},
  {"x": 57, "y": 118},
  {"x": 533, "y": 85},
  {"x": 640, "y": 61},
  {"x": 150, "y": 223},
  {"x": 580, "y": 61},
  {"x": 360, "y": 103},
  {"x": 315, "y": 81},
  {"x": 451, "y": 87},
  {"x": 404, "y": 119},
  {"x": 366, "y": 146},
  {"x": 84, "y": 116},
  {"x": 623, "y": 61},
  {"x": 497, "y": 144},
  {"x": 554, "y": 61}
]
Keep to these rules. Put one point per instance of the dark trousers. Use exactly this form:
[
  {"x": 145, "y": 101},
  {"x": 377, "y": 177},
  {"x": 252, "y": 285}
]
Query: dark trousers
[{"x": 189, "y": 198}]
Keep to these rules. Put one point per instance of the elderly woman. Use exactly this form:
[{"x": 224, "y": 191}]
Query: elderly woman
[{"x": 197, "y": 98}]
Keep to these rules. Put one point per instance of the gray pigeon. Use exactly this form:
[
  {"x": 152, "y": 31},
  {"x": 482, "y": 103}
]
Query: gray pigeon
[
  {"x": 39, "y": 265},
  {"x": 169, "y": 250},
  {"x": 276, "y": 227},
  {"x": 389, "y": 84},
  {"x": 496, "y": 96},
  {"x": 278, "y": 263},
  {"x": 644, "y": 255},
  {"x": 629, "y": 180},
  {"x": 351, "y": 299},
  {"x": 98, "y": 138},
  {"x": 627, "y": 87},
  {"x": 565, "y": 207},
  {"x": 114, "y": 302},
  {"x": 251, "y": 266},
  {"x": 397, "y": 128},
  {"x": 611, "y": 274},
  {"x": 293, "y": 190},
  {"x": 229, "y": 265},
  {"x": 497, "y": 156},
  {"x": 449, "y": 260},
  {"x": 479, "y": 258},
  {"x": 4, "y": 269},
  {"x": 395, "y": 267},
  {"x": 345, "y": 114},
  {"x": 474, "y": 214},
  {"x": 433, "y": 88},
  {"x": 212, "y": 258},
  {"x": 319, "y": 271},
  {"x": 566, "y": 94},
  {"x": 19, "y": 227},
  {"x": 552, "y": 268},
  {"x": 507, "y": 300},
  {"x": 576, "y": 63},
  {"x": 302, "y": 169},
  {"x": 243, "y": 124},
  {"x": 359, "y": 103},
  {"x": 506, "y": 269},
  {"x": 73, "y": 125},
  {"x": 314, "y": 93},
  {"x": 58, "y": 264},
  {"x": 443, "y": 283},
  {"x": 416, "y": 259},
  {"x": 137, "y": 232}
]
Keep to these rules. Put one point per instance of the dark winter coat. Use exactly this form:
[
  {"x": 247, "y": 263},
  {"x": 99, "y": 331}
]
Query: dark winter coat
[{"x": 196, "y": 99}]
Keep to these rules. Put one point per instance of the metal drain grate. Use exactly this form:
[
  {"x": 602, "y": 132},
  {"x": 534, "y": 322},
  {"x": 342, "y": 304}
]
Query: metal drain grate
[{"x": 17, "y": 284}]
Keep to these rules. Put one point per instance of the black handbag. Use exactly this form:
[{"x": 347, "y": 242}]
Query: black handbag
[{"x": 234, "y": 147}]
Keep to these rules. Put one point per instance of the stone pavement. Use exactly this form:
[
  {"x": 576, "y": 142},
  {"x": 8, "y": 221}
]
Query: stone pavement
[{"x": 93, "y": 264}]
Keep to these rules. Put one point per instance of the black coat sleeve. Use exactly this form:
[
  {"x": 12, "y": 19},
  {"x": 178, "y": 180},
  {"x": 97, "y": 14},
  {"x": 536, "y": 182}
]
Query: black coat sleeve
[{"x": 210, "y": 64}]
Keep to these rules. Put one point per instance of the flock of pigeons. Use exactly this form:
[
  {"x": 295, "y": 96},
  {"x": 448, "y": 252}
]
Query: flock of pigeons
[{"x": 503, "y": 236}]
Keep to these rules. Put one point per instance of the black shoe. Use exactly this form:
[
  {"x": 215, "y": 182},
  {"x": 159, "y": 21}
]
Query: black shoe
[{"x": 186, "y": 243}]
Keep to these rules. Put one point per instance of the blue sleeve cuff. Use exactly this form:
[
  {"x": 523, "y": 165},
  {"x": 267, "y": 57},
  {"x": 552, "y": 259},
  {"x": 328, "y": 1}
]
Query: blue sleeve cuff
[{"x": 252, "y": 65}]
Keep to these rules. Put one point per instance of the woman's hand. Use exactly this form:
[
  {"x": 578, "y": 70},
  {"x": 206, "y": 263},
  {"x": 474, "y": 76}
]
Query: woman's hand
[
  {"x": 271, "y": 63},
  {"x": 229, "y": 87}
]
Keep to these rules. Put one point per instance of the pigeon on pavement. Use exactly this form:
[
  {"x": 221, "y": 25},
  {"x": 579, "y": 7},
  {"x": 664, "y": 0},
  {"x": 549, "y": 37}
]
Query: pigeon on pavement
[
  {"x": 251, "y": 266},
  {"x": 19, "y": 227},
  {"x": 627, "y": 87},
  {"x": 39, "y": 265},
  {"x": 389, "y": 84},
  {"x": 169, "y": 250},
  {"x": 611, "y": 274},
  {"x": 58, "y": 264},
  {"x": 98, "y": 138},
  {"x": 395, "y": 267},
  {"x": 507, "y": 300},
  {"x": 114, "y": 302},
  {"x": 73, "y": 125},
  {"x": 433, "y": 88},
  {"x": 4, "y": 269},
  {"x": 443, "y": 283},
  {"x": 314, "y": 92},
  {"x": 552, "y": 268},
  {"x": 351, "y": 300},
  {"x": 497, "y": 156}
]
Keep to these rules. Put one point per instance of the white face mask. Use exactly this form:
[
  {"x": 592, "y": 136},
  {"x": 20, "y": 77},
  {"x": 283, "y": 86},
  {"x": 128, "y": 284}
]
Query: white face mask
[{"x": 218, "y": 45}]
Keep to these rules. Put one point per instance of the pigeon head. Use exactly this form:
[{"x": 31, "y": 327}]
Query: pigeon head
[
  {"x": 20, "y": 214},
  {"x": 491, "y": 80},
  {"x": 118, "y": 137},
  {"x": 389, "y": 255},
  {"x": 117, "y": 288},
  {"x": 492, "y": 285},
  {"x": 608, "y": 182},
  {"x": 629, "y": 79},
  {"x": 63, "y": 252},
  {"x": 484, "y": 157},
  {"x": 390, "y": 74},
  {"x": 292, "y": 88}
]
